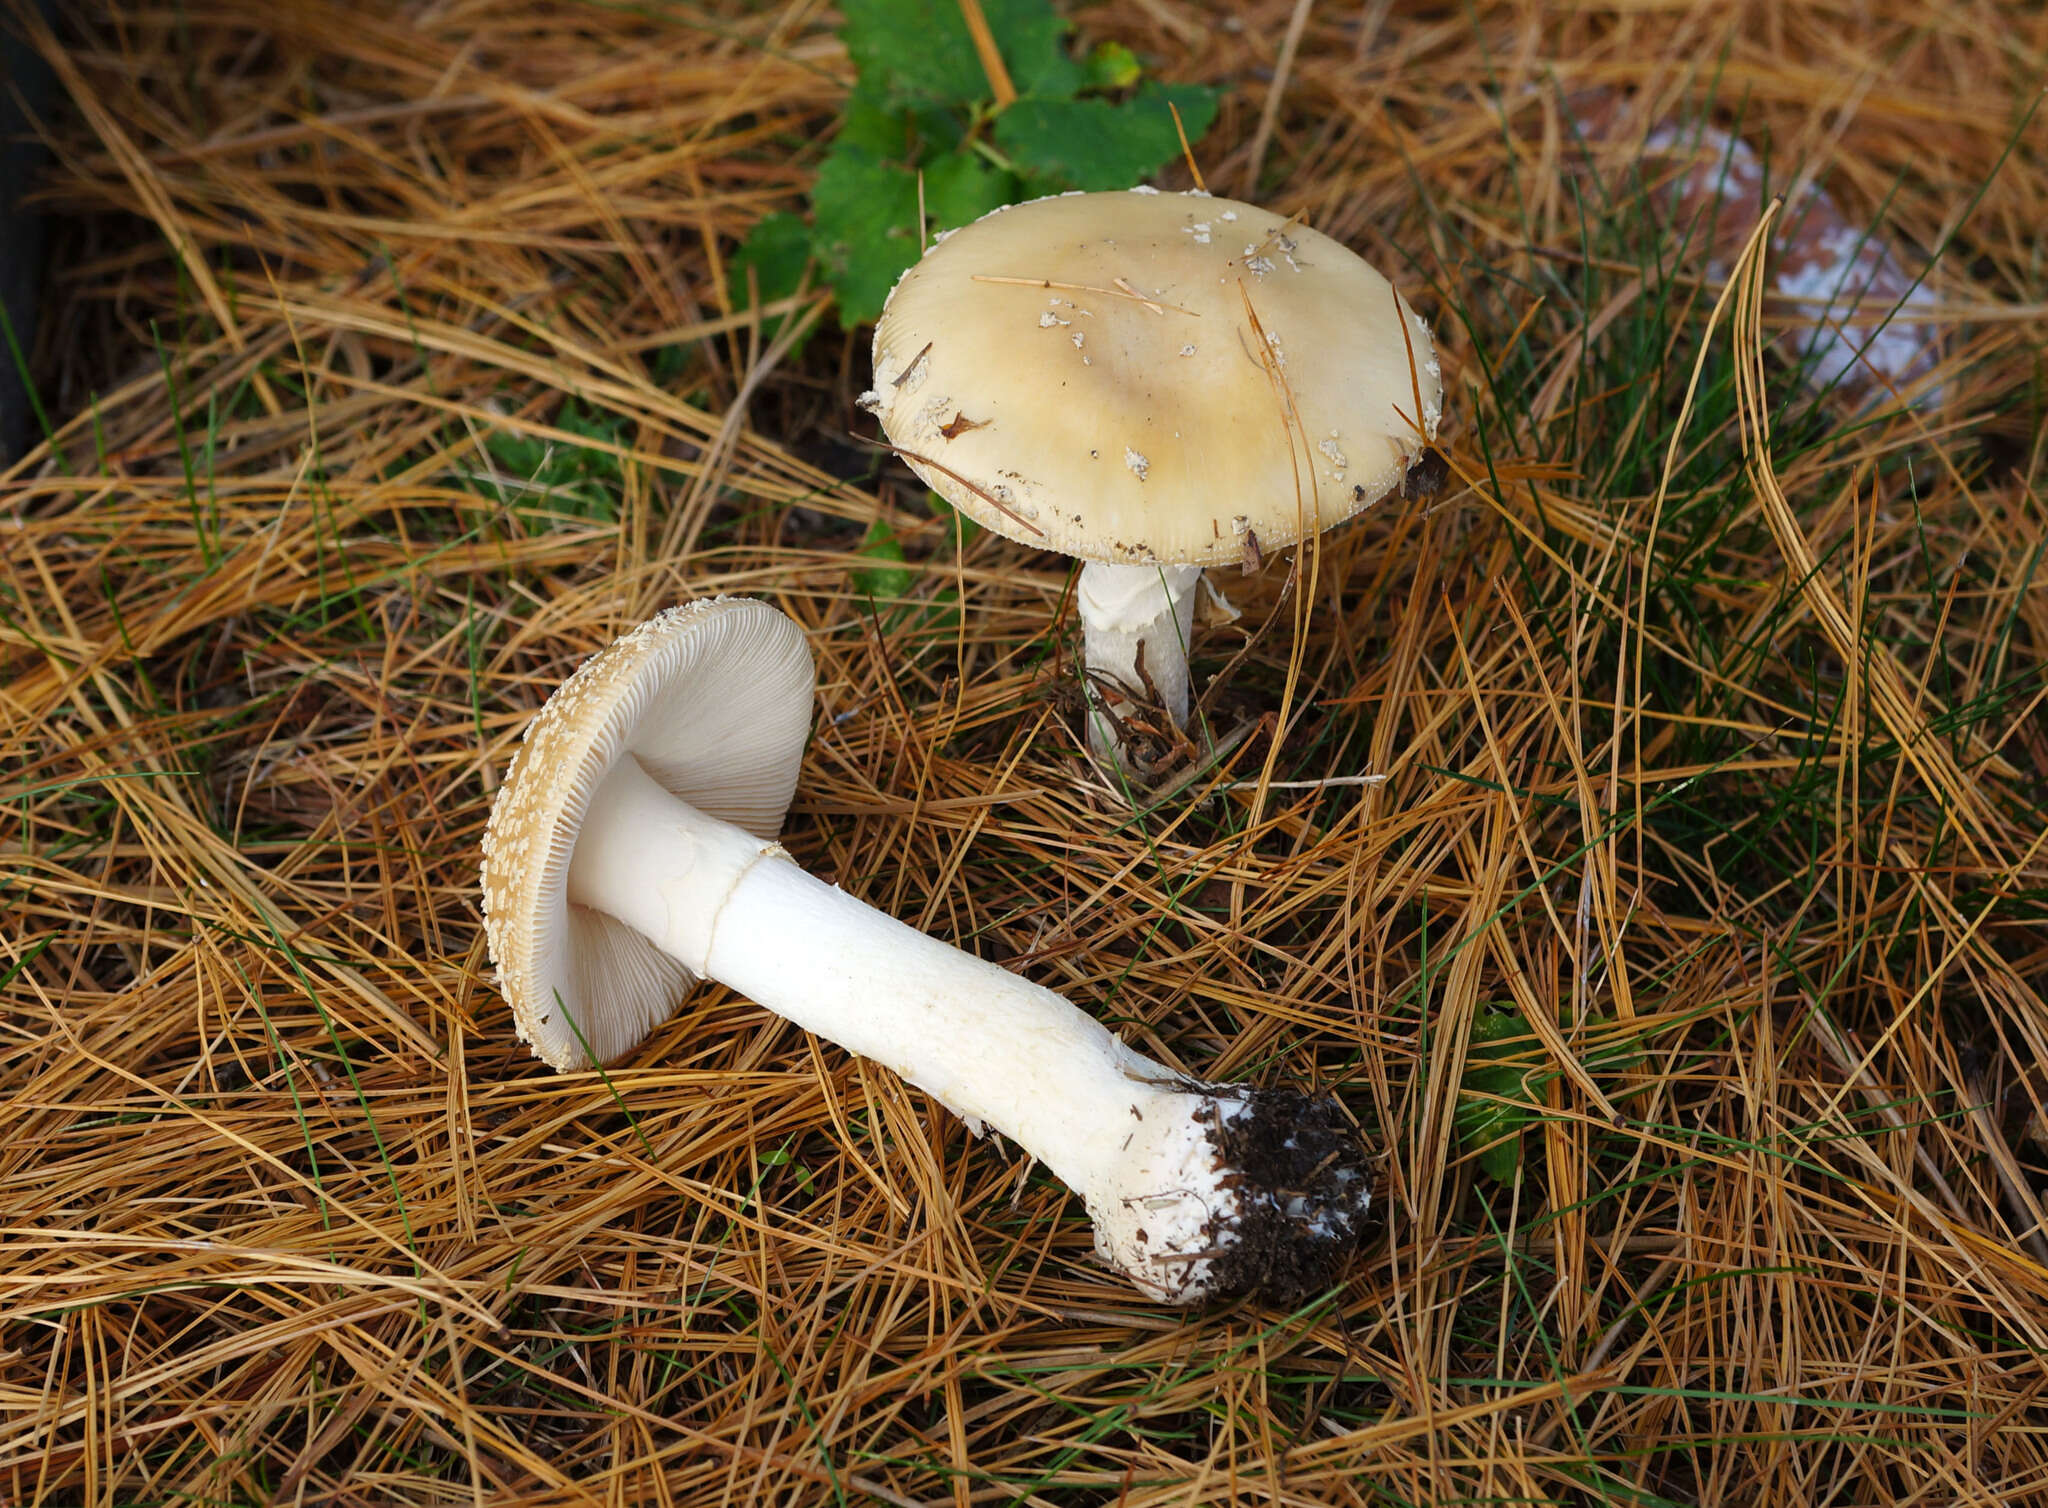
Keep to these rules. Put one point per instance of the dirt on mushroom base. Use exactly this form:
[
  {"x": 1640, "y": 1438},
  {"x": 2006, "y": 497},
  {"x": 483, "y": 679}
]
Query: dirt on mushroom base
[{"x": 1299, "y": 1160}]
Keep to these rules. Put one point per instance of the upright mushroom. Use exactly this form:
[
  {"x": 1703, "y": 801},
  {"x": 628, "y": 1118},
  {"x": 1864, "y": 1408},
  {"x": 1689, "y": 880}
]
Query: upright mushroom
[
  {"x": 632, "y": 849},
  {"x": 1153, "y": 383}
]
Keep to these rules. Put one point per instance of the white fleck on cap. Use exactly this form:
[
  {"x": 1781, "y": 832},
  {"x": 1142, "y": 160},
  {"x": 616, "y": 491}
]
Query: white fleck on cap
[
  {"x": 713, "y": 698},
  {"x": 995, "y": 408}
]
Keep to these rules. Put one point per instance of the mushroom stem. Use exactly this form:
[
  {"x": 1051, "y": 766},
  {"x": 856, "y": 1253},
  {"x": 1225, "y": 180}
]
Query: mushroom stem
[
  {"x": 1129, "y": 612},
  {"x": 1195, "y": 1190}
]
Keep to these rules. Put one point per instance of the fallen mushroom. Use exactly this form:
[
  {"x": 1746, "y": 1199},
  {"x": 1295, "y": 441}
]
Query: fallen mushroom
[
  {"x": 632, "y": 850},
  {"x": 1153, "y": 383}
]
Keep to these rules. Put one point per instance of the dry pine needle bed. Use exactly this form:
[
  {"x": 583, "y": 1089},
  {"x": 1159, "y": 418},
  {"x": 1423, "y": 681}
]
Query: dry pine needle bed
[{"x": 1645, "y": 837}]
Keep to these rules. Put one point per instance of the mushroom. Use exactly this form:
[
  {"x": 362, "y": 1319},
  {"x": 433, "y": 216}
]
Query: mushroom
[
  {"x": 1153, "y": 383},
  {"x": 632, "y": 850}
]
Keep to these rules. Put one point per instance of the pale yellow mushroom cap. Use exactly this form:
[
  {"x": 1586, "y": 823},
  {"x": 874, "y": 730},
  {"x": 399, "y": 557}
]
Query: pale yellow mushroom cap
[
  {"x": 714, "y": 699},
  {"x": 1109, "y": 376}
]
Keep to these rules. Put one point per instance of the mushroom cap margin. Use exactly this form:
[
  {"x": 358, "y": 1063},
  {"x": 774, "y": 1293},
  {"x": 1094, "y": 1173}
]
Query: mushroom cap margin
[{"x": 714, "y": 698}]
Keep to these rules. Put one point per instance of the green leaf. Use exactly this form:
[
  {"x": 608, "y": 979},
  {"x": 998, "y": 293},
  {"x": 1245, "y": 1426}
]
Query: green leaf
[
  {"x": 920, "y": 50},
  {"x": 885, "y": 127},
  {"x": 934, "y": 131},
  {"x": 1492, "y": 1024},
  {"x": 1503, "y": 1160},
  {"x": 943, "y": 615},
  {"x": 1493, "y": 1125},
  {"x": 872, "y": 122},
  {"x": 890, "y": 581},
  {"x": 961, "y": 529},
  {"x": 561, "y": 479},
  {"x": 866, "y": 233},
  {"x": 776, "y": 252},
  {"x": 866, "y": 228},
  {"x": 959, "y": 189},
  {"x": 1093, "y": 144},
  {"x": 1113, "y": 66}
]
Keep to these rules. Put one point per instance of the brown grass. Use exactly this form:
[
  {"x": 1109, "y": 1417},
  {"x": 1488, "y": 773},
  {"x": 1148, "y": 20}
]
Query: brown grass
[{"x": 1712, "y": 730}]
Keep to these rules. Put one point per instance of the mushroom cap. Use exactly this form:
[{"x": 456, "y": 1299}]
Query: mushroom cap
[
  {"x": 714, "y": 699},
  {"x": 1120, "y": 391}
]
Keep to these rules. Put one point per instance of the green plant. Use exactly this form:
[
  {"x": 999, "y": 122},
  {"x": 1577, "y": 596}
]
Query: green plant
[
  {"x": 923, "y": 120},
  {"x": 1499, "y": 1100},
  {"x": 546, "y": 476},
  {"x": 890, "y": 582}
]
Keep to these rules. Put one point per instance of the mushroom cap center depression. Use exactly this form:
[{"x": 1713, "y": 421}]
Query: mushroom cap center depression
[{"x": 1139, "y": 377}]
